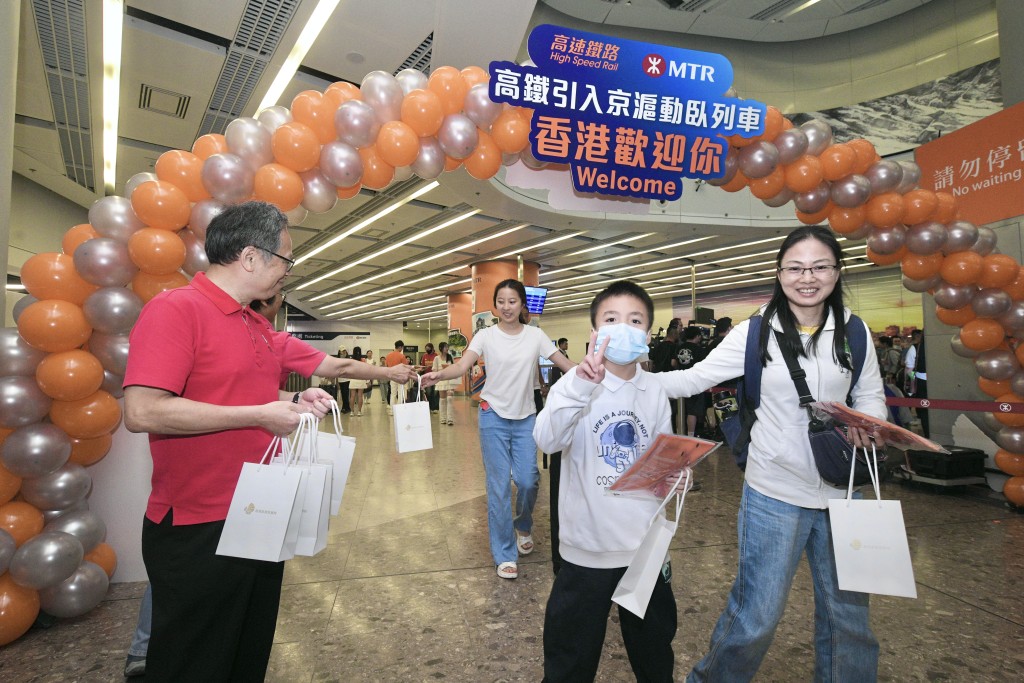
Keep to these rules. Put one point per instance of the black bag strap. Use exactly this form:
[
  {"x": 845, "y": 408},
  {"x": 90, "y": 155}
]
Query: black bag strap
[{"x": 796, "y": 373}]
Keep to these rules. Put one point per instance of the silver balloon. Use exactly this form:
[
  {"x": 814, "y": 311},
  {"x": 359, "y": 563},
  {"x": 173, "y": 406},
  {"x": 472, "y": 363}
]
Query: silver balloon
[
  {"x": 341, "y": 164},
  {"x": 991, "y": 302},
  {"x": 196, "y": 260},
  {"x": 458, "y": 136},
  {"x": 861, "y": 233},
  {"x": 357, "y": 125},
  {"x": 989, "y": 420},
  {"x": 1013, "y": 319},
  {"x": 926, "y": 238},
  {"x": 16, "y": 356},
  {"x": 887, "y": 241},
  {"x": 430, "y": 160},
  {"x": 76, "y": 595},
  {"x": 228, "y": 178},
  {"x": 137, "y": 180},
  {"x": 781, "y": 199},
  {"x": 758, "y": 160},
  {"x": 507, "y": 158},
  {"x": 46, "y": 559},
  {"x": 7, "y": 549},
  {"x": 319, "y": 194},
  {"x": 88, "y": 527},
  {"x": 22, "y": 303},
  {"x": 884, "y": 176},
  {"x": 249, "y": 140},
  {"x": 113, "y": 384},
  {"x": 530, "y": 161},
  {"x": 792, "y": 144},
  {"x": 954, "y": 296},
  {"x": 202, "y": 213},
  {"x": 411, "y": 79},
  {"x": 986, "y": 241},
  {"x": 851, "y": 191},
  {"x": 297, "y": 215},
  {"x": 921, "y": 286},
  {"x": 112, "y": 310},
  {"x": 960, "y": 236},
  {"x": 1017, "y": 386},
  {"x": 402, "y": 173},
  {"x": 22, "y": 402},
  {"x": 111, "y": 350},
  {"x": 731, "y": 165},
  {"x": 959, "y": 349},
  {"x": 911, "y": 176},
  {"x": 814, "y": 200},
  {"x": 274, "y": 117},
  {"x": 104, "y": 262},
  {"x": 35, "y": 449},
  {"x": 998, "y": 364},
  {"x": 819, "y": 136},
  {"x": 383, "y": 93},
  {"x": 59, "y": 489},
  {"x": 481, "y": 109},
  {"x": 50, "y": 515},
  {"x": 114, "y": 217},
  {"x": 1012, "y": 438}
]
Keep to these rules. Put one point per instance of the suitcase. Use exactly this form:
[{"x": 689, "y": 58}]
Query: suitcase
[{"x": 960, "y": 462}]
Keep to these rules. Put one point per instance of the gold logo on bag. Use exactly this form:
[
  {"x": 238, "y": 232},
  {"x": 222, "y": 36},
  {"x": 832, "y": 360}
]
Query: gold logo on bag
[
  {"x": 856, "y": 544},
  {"x": 249, "y": 508}
]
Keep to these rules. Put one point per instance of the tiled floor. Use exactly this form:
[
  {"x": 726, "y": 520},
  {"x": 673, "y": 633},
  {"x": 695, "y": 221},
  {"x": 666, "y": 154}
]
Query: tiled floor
[{"x": 406, "y": 590}]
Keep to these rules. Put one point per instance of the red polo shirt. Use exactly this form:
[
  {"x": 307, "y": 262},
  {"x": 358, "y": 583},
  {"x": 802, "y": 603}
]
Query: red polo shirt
[
  {"x": 394, "y": 358},
  {"x": 197, "y": 342}
]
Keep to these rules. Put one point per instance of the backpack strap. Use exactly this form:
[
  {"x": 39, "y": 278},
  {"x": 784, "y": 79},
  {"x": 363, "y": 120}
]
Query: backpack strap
[
  {"x": 857, "y": 336},
  {"x": 749, "y": 388}
]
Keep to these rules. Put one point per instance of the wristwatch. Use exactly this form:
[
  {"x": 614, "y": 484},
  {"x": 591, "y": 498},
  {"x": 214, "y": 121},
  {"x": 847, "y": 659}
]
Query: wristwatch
[{"x": 295, "y": 398}]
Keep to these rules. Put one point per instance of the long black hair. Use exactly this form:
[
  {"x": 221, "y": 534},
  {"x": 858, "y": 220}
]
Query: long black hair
[
  {"x": 357, "y": 352},
  {"x": 442, "y": 349},
  {"x": 520, "y": 289},
  {"x": 778, "y": 306}
]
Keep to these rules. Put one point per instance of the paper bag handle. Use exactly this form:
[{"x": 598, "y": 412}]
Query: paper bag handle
[{"x": 872, "y": 465}]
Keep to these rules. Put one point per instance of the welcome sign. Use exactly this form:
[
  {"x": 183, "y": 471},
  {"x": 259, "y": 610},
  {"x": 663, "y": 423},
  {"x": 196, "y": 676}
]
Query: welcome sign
[{"x": 630, "y": 118}]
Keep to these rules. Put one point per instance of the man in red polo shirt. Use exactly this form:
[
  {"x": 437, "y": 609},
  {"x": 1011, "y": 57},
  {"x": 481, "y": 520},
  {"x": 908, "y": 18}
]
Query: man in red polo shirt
[
  {"x": 202, "y": 379},
  {"x": 397, "y": 359}
]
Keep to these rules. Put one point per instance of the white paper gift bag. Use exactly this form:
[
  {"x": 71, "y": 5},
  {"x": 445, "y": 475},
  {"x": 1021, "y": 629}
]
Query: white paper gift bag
[
  {"x": 316, "y": 498},
  {"x": 870, "y": 543},
  {"x": 412, "y": 424},
  {"x": 338, "y": 450},
  {"x": 263, "y": 518}
]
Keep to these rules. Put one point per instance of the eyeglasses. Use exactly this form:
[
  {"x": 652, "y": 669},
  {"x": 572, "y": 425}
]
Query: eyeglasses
[
  {"x": 290, "y": 262},
  {"x": 797, "y": 271}
]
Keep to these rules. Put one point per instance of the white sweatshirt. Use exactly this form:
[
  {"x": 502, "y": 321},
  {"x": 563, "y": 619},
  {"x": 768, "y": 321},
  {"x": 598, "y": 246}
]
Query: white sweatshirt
[
  {"x": 601, "y": 430},
  {"x": 779, "y": 461}
]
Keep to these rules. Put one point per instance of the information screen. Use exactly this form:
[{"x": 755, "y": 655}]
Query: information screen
[{"x": 535, "y": 297}]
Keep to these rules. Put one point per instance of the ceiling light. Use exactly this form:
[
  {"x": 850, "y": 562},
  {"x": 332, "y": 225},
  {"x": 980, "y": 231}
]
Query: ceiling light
[
  {"x": 316, "y": 23},
  {"x": 524, "y": 247},
  {"x": 631, "y": 254},
  {"x": 113, "y": 24},
  {"x": 605, "y": 245}
]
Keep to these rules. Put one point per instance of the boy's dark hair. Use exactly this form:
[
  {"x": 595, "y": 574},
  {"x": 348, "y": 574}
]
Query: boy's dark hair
[
  {"x": 562, "y": 340},
  {"x": 399, "y": 344},
  {"x": 691, "y": 332},
  {"x": 722, "y": 325},
  {"x": 623, "y": 288}
]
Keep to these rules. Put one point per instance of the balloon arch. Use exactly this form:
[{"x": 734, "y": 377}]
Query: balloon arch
[{"x": 61, "y": 368}]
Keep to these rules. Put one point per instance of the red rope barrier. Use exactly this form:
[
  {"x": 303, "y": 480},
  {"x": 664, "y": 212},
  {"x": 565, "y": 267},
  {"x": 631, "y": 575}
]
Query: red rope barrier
[{"x": 964, "y": 406}]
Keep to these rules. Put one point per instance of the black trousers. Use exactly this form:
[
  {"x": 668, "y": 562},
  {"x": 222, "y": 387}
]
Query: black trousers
[
  {"x": 213, "y": 617},
  {"x": 343, "y": 388},
  {"x": 554, "y": 482},
  {"x": 921, "y": 391},
  {"x": 576, "y": 618}
]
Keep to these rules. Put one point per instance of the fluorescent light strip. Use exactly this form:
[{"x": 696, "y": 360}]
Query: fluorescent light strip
[
  {"x": 113, "y": 25},
  {"x": 605, "y": 245},
  {"x": 365, "y": 222},
  {"x": 407, "y": 310},
  {"x": 538, "y": 246},
  {"x": 631, "y": 254},
  {"x": 400, "y": 285},
  {"x": 451, "y": 285},
  {"x": 316, "y": 23}
]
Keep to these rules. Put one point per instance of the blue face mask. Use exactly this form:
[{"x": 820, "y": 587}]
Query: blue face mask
[{"x": 625, "y": 343}]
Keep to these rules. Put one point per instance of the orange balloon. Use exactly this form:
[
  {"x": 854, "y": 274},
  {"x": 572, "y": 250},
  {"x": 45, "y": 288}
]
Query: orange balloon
[
  {"x": 87, "y": 452},
  {"x": 837, "y": 161},
  {"x": 845, "y": 220},
  {"x": 804, "y": 174},
  {"x": 104, "y": 556},
  {"x": 998, "y": 270},
  {"x": 349, "y": 192},
  {"x": 982, "y": 334},
  {"x": 955, "y": 317},
  {"x": 510, "y": 131},
  {"x": 50, "y": 275},
  {"x": 526, "y": 113},
  {"x": 946, "y": 209},
  {"x": 451, "y": 164},
  {"x": 422, "y": 111},
  {"x": 341, "y": 92},
  {"x": 485, "y": 160},
  {"x": 816, "y": 217},
  {"x": 865, "y": 152},
  {"x": 918, "y": 267},
  {"x": 21, "y": 520},
  {"x": 886, "y": 259},
  {"x": 447, "y": 83},
  {"x": 398, "y": 144},
  {"x": 9, "y": 483},
  {"x": 994, "y": 387},
  {"x": 740, "y": 141},
  {"x": 311, "y": 108},
  {"x": 184, "y": 171},
  {"x": 53, "y": 326},
  {"x": 207, "y": 145},
  {"x": 1011, "y": 463},
  {"x": 884, "y": 210},
  {"x": 738, "y": 182},
  {"x": 157, "y": 252},
  {"x": 89, "y": 417},
  {"x": 159, "y": 204},
  {"x": 296, "y": 146},
  {"x": 772, "y": 124},
  {"x": 377, "y": 173},
  {"x": 962, "y": 268},
  {"x": 69, "y": 375},
  {"x": 1016, "y": 288},
  {"x": 768, "y": 186},
  {"x": 147, "y": 285},
  {"x": 919, "y": 206},
  {"x": 75, "y": 236},
  {"x": 278, "y": 185},
  {"x": 19, "y": 608},
  {"x": 1009, "y": 419},
  {"x": 472, "y": 75}
]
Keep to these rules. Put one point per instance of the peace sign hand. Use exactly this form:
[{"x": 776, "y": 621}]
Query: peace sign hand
[{"x": 591, "y": 368}]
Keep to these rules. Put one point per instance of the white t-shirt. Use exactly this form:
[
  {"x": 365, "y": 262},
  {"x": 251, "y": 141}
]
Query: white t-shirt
[{"x": 511, "y": 364}]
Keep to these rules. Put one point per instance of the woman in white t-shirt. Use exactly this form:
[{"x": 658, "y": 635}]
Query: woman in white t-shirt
[
  {"x": 442, "y": 360},
  {"x": 507, "y": 412},
  {"x": 356, "y": 386}
]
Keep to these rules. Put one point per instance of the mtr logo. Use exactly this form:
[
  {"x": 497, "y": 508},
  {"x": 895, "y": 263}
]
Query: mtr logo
[{"x": 656, "y": 66}]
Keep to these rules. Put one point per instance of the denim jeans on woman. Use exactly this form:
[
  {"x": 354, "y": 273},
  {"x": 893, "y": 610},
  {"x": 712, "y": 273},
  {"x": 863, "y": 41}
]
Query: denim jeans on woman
[
  {"x": 772, "y": 538},
  {"x": 510, "y": 454}
]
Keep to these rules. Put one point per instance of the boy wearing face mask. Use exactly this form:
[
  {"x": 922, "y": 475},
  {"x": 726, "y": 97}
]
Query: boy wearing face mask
[{"x": 603, "y": 415}]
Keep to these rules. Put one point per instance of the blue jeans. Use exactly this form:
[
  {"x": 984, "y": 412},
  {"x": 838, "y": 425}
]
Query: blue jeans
[
  {"x": 508, "y": 448},
  {"x": 140, "y": 639},
  {"x": 772, "y": 538}
]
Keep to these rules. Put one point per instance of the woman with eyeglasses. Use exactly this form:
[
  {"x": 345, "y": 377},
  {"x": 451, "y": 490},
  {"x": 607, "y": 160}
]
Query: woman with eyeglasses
[{"x": 784, "y": 506}]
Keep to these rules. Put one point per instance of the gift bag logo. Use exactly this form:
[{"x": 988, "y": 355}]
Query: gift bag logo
[{"x": 249, "y": 508}]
